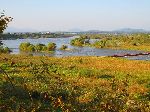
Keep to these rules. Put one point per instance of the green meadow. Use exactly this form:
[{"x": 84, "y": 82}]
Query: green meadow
[{"x": 73, "y": 84}]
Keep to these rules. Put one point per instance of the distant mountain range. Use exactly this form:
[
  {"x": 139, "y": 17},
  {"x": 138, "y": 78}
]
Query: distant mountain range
[
  {"x": 123, "y": 30},
  {"x": 130, "y": 30}
]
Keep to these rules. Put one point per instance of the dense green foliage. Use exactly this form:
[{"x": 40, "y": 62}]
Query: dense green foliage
[
  {"x": 75, "y": 84},
  {"x": 33, "y": 35},
  {"x": 106, "y": 42},
  {"x": 28, "y": 47},
  {"x": 94, "y": 36},
  {"x": 137, "y": 41},
  {"x": 4, "y": 20},
  {"x": 124, "y": 40},
  {"x": 77, "y": 41}
]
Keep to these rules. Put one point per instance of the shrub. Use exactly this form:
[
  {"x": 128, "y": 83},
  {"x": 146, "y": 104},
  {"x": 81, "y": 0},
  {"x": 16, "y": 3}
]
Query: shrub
[
  {"x": 7, "y": 50},
  {"x": 28, "y": 47},
  {"x": 78, "y": 41},
  {"x": 24, "y": 46},
  {"x": 40, "y": 47},
  {"x": 31, "y": 48},
  {"x": 63, "y": 47},
  {"x": 4, "y": 49},
  {"x": 44, "y": 48},
  {"x": 99, "y": 44},
  {"x": 51, "y": 46}
]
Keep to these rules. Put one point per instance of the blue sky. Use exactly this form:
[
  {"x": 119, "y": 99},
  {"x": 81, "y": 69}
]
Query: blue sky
[{"x": 60, "y": 15}]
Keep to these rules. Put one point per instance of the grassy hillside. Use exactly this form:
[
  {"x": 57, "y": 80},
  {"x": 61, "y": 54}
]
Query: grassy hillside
[{"x": 78, "y": 84}]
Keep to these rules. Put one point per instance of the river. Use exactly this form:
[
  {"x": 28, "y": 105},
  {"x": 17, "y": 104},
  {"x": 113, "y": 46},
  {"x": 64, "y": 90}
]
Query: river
[{"x": 74, "y": 51}]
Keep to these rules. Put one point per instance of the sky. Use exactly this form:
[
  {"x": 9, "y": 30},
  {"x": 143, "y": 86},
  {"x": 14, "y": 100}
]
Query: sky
[{"x": 67, "y": 15}]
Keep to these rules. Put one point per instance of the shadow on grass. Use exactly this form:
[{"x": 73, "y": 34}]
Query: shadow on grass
[{"x": 105, "y": 76}]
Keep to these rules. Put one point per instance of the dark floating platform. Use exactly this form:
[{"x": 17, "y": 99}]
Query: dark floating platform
[{"x": 128, "y": 55}]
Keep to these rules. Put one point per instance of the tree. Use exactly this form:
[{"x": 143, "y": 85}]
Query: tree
[{"x": 4, "y": 20}]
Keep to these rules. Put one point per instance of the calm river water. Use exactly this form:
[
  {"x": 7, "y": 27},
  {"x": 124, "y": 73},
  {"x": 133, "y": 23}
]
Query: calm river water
[{"x": 74, "y": 51}]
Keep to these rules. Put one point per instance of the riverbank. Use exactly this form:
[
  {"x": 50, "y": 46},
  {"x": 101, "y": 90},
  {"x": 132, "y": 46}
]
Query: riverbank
[
  {"x": 144, "y": 48},
  {"x": 73, "y": 83},
  {"x": 140, "y": 48},
  {"x": 139, "y": 41}
]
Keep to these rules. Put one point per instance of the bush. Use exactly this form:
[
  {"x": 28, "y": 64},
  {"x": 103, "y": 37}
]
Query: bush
[
  {"x": 24, "y": 46},
  {"x": 44, "y": 48},
  {"x": 63, "y": 47},
  {"x": 31, "y": 48},
  {"x": 78, "y": 41},
  {"x": 106, "y": 43},
  {"x": 28, "y": 47},
  {"x": 123, "y": 41},
  {"x": 51, "y": 46},
  {"x": 99, "y": 44},
  {"x": 7, "y": 50},
  {"x": 40, "y": 47},
  {"x": 4, "y": 49}
]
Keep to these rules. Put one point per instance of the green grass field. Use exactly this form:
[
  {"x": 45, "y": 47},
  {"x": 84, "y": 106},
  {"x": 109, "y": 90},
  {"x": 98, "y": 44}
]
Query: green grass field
[{"x": 73, "y": 84}]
